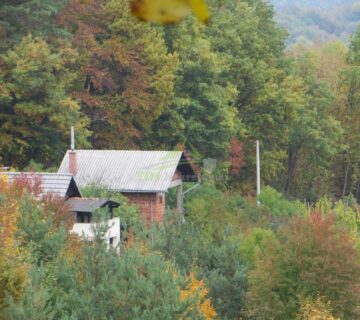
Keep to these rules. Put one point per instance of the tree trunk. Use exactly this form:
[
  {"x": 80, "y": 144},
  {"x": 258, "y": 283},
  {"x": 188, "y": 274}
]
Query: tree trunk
[
  {"x": 346, "y": 178},
  {"x": 291, "y": 164}
]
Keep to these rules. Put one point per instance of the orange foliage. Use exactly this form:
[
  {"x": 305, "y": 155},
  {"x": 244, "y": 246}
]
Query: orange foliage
[
  {"x": 13, "y": 269},
  {"x": 197, "y": 287},
  {"x": 73, "y": 251},
  {"x": 8, "y": 213}
]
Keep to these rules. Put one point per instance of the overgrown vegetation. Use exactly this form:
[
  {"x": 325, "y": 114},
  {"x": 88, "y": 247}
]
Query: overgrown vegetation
[{"x": 232, "y": 259}]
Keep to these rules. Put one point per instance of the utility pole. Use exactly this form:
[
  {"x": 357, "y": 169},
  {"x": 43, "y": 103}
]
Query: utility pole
[{"x": 258, "y": 188}]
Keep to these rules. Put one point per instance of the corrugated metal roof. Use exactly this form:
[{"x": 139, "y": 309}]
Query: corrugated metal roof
[
  {"x": 53, "y": 183},
  {"x": 125, "y": 170}
]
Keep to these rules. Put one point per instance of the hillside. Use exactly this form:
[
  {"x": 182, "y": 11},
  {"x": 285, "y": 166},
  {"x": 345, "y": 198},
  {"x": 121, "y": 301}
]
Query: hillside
[
  {"x": 326, "y": 4},
  {"x": 310, "y": 21},
  {"x": 157, "y": 242}
]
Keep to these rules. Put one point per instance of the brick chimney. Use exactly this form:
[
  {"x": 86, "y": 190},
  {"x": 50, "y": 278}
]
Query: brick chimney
[
  {"x": 73, "y": 162},
  {"x": 73, "y": 167}
]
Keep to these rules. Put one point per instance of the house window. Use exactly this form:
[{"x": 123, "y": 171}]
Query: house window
[{"x": 83, "y": 217}]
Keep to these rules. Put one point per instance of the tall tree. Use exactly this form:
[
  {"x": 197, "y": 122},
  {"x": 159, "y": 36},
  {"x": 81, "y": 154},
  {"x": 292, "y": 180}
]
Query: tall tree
[
  {"x": 247, "y": 37},
  {"x": 314, "y": 136},
  {"x": 126, "y": 75},
  {"x": 35, "y": 110},
  {"x": 347, "y": 111},
  {"x": 202, "y": 115}
]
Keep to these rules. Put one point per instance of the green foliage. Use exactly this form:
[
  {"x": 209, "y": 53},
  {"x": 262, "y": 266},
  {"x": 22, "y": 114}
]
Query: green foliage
[
  {"x": 347, "y": 217},
  {"x": 93, "y": 282},
  {"x": 134, "y": 285},
  {"x": 18, "y": 18},
  {"x": 226, "y": 277},
  {"x": 217, "y": 260},
  {"x": 36, "y": 231},
  {"x": 135, "y": 85},
  {"x": 128, "y": 84},
  {"x": 212, "y": 211},
  {"x": 34, "y": 303},
  {"x": 129, "y": 214},
  {"x": 36, "y": 112},
  {"x": 279, "y": 205},
  {"x": 202, "y": 113},
  {"x": 254, "y": 243},
  {"x": 252, "y": 262},
  {"x": 314, "y": 137},
  {"x": 349, "y": 86}
]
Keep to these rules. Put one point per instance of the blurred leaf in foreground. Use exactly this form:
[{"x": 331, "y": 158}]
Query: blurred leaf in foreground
[{"x": 169, "y": 11}]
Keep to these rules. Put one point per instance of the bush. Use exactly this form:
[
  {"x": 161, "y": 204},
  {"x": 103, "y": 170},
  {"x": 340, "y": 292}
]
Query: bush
[{"x": 279, "y": 205}]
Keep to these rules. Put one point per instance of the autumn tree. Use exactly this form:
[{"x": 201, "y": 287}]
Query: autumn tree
[
  {"x": 312, "y": 257},
  {"x": 13, "y": 267},
  {"x": 125, "y": 77},
  {"x": 315, "y": 310}
]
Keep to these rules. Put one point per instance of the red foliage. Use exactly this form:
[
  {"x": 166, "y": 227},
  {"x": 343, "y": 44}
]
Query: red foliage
[
  {"x": 327, "y": 259},
  {"x": 116, "y": 93},
  {"x": 59, "y": 211},
  {"x": 236, "y": 156},
  {"x": 314, "y": 257},
  {"x": 53, "y": 205},
  {"x": 29, "y": 183}
]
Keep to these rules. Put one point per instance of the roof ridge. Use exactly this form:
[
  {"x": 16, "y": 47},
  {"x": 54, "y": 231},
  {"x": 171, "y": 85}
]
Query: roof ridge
[{"x": 35, "y": 173}]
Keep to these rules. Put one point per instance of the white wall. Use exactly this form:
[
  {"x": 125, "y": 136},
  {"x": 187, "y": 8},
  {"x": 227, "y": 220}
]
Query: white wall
[{"x": 86, "y": 230}]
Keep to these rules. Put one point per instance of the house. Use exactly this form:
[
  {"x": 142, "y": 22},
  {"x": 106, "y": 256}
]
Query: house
[
  {"x": 65, "y": 187},
  {"x": 143, "y": 176}
]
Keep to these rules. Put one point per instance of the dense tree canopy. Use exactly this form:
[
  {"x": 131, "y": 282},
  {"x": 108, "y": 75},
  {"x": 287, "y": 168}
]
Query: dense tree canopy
[{"x": 35, "y": 107}]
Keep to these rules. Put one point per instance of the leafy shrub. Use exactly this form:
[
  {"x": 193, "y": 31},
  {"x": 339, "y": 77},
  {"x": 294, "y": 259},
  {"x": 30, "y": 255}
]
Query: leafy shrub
[{"x": 279, "y": 205}]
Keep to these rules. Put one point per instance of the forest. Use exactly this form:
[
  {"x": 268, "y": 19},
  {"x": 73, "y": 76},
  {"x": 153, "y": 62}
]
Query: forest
[
  {"x": 310, "y": 22},
  {"x": 212, "y": 89}
]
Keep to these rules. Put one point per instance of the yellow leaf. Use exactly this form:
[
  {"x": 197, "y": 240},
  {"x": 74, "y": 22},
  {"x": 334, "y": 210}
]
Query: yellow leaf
[
  {"x": 169, "y": 11},
  {"x": 200, "y": 9}
]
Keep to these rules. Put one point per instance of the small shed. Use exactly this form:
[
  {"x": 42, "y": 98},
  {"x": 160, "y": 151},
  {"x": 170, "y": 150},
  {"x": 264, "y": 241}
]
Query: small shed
[{"x": 83, "y": 208}]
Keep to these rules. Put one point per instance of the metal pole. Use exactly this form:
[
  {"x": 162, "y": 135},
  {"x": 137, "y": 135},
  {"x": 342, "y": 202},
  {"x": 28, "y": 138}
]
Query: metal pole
[
  {"x": 183, "y": 197},
  {"x": 258, "y": 188}
]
